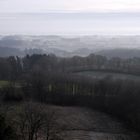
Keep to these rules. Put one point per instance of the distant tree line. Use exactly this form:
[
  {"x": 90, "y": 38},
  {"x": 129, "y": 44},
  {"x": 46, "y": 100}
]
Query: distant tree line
[{"x": 13, "y": 67}]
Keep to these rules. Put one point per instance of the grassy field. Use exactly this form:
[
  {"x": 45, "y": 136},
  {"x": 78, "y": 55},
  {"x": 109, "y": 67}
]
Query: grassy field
[
  {"x": 86, "y": 124},
  {"x": 3, "y": 83},
  {"x": 101, "y": 74},
  {"x": 78, "y": 123}
]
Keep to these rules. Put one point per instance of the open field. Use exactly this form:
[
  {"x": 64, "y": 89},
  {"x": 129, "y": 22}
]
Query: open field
[
  {"x": 114, "y": 75},
  {"x": 85, "y": 124},
  {"x": 3, "y": 83},
  {"x": 78, "y": 123}
]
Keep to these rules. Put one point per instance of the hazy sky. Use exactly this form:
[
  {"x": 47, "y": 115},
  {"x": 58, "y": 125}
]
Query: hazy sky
[
  {"x": 69, "y": 5},
  {"x": 41, "y": 17}
]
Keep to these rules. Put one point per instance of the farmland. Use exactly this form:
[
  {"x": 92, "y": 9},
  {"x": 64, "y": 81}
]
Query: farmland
[{"x": 105, "y": 74}]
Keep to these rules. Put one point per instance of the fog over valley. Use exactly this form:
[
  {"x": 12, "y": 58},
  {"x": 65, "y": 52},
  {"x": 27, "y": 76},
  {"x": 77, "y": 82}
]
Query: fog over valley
[{"x": 68, "y": 46}]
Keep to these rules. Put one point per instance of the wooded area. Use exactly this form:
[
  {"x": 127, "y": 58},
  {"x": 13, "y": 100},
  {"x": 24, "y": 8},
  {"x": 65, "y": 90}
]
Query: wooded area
[{"x": 33, "y": 82}]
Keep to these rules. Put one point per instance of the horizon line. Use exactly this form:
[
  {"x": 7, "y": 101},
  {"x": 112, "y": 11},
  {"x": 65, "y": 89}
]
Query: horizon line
[{"x": 74, "y": 12}]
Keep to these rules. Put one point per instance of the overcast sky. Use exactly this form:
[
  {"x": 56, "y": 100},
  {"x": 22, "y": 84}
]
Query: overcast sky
[
  {"x": 96, "y": 17},
  {"x": 38, "y": 6}
]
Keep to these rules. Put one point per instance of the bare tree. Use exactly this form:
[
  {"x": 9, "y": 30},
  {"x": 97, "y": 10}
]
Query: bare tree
[
  {"x": 51, "y": 128},
  {"x": 30, "y": 120},
  {"x": 36, "y": 121}
]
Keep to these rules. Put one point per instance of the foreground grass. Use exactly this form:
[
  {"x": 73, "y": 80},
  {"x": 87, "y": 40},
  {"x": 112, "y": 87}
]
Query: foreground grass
[
  {"x": 4, "y": 83},
  {"x": 79, "y": 123}
]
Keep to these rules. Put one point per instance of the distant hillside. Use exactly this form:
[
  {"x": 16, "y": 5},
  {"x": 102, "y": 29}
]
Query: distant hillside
[
  {"x": 82, "y": 52},
  {"x": 110, "y": 46},
  {"x": 6, "y": 51},
  {"x": 122, "y": 53},
  {"x": 96, "y": 43}
]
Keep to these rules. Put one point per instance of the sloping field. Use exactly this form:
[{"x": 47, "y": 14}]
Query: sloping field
[
  {"x": 86, "y": 124},
  {"x": 90, "y": 135},
  {"x": 102, "y": 74}
]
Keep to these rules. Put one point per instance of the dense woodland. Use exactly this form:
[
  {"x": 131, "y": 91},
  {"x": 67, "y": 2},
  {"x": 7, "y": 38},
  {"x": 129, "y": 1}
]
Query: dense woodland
[
  {"x": 16, "y": 66},
  {"x": 46, "y": 79}
]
